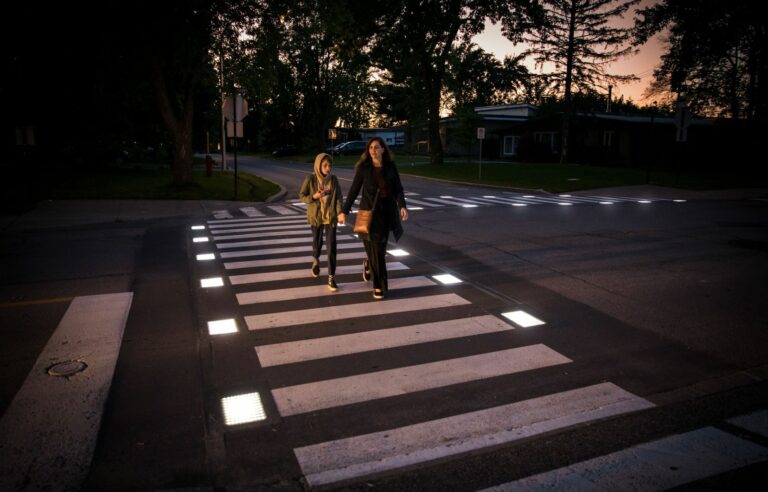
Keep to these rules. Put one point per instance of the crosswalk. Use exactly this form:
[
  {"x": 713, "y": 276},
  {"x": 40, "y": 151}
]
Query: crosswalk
[
  {"x": 417, "y": 201},
  {"x": 423, "y": 339}
]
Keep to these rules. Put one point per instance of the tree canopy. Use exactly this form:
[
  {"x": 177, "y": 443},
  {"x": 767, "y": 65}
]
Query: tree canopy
[{"x": 716, "y": 55}]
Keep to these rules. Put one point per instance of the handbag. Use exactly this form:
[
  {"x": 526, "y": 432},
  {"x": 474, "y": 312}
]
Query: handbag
[{"x": 364, "y": 217}]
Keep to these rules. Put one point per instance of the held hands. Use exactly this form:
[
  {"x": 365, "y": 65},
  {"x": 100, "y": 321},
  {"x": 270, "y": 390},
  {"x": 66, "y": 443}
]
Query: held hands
[
  {"x": 341, "y": 218},
  {"x": 404, "y": 214}
]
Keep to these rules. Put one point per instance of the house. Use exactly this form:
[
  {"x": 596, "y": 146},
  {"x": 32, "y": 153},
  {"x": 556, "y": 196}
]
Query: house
[
  {"x": 500, "y": 123},
  {"x": 521, "y": 132}
]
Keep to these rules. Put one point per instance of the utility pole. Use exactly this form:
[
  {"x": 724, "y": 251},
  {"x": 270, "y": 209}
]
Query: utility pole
[{"x": 223, "y": 121}]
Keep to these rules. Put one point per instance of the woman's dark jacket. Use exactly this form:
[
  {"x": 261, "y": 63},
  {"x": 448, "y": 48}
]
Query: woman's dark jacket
[{"x": 386, "y": 217}]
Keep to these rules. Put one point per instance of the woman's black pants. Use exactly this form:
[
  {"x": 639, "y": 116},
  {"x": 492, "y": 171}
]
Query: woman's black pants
[{"x": 377, "y": 252}]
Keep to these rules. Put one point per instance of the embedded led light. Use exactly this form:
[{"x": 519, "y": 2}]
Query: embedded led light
[
  {"x": 415, "y": 208},
  {"x": 206, "y": 256},
  {"x": 222, "y": 326},
  {"x": 446, "y": 196},
  {"x": 521, "y": 318},
  {"x": 198, "y": 227},
  {"x": 212, "y": 282},
  {"x": 519, "y": 204},
  {"x": 446, "y": 279},
  {"x": 679, "y": 201},
  {"x": 199, "y": 239},
  {"x": 242, "y": 409},
  {"x": 643, "y": 201},
  {"x": 565, "y": 196},
  {"x": 565, "y": 204},
  {"x": 606, "y": 203},
  {"x": 489, "y": 196},
  {"x": 398, "y": 252},
  {"x": 528, "y": 196},
  {"x": 469, "y": 205}
]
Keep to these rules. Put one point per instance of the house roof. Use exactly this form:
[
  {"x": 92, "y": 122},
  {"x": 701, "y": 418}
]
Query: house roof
[{"x": 526, "y": 110}]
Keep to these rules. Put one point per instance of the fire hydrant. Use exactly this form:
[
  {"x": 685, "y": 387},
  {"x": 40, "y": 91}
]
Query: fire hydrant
[{"x": 208, "y": 165}]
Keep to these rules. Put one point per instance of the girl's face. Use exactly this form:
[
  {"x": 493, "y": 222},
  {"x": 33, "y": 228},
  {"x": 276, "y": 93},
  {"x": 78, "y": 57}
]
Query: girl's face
[
  {"x": 325, "y": 167},
  {"x": 376, "y": 150}
]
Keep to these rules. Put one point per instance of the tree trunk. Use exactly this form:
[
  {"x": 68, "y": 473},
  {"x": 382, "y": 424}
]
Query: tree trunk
[
  {"x": 179, "y": 126},
  {"x": 566, "y": 128},
  {"x": 433, "y": 118},
  {"x": 181, "y": 163}
]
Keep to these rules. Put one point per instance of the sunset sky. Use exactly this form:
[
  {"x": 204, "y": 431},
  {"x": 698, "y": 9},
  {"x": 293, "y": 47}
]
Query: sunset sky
[{"x": 641, "y": 64}]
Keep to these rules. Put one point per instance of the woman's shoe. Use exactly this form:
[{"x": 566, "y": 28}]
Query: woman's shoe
[
  {"x": 366, "y": 271},
  {"x": 378, "y": 294},
  {"x": 332, "y": 284},
  {"x": 315, "y": 271}
]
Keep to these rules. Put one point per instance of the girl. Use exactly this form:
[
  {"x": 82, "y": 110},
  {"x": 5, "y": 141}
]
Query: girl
[{"x": 321, "y": 192}]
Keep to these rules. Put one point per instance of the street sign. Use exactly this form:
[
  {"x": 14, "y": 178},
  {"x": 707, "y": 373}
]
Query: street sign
[
  {"x": 235, "y": 107},
  {"x": 481, "y": 133},
  {"x": 231, "y": 129}
]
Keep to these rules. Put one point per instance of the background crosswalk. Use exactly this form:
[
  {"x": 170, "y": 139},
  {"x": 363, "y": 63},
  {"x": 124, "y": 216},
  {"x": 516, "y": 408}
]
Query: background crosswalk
[{"x": 418, "y": 201}]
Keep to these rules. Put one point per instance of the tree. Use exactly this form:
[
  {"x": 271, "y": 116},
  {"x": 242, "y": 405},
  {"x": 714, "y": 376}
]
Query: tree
[
  {"x": 476, "y": 78},
  {"x": 716, "y": 55},
  {"x": 303, "y": 72},
  {"x": 577, "y": 40},
  {"x": 415, "y": 39}
]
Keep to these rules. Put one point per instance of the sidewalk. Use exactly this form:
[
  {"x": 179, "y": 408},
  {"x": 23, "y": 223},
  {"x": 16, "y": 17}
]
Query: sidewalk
[{"x": 68, "y": 213}]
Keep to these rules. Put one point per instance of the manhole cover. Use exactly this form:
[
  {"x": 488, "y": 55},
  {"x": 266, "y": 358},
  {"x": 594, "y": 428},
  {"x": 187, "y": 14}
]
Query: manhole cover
[{"x": 67, "y": 368}]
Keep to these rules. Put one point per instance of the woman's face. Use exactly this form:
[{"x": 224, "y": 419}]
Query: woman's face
[
  {"x": 376, "y": 150},
  {"x": 325, "y": 167}
]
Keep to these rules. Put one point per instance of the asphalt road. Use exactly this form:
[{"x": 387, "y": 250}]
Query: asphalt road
[{"x": 661, "y": 303}]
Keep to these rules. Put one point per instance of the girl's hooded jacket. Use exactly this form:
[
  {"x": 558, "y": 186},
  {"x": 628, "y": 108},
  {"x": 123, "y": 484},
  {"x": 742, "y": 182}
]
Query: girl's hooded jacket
[{"x": 325, "y": 209}]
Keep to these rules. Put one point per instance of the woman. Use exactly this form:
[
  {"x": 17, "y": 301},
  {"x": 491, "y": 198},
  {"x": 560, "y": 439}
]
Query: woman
[
  {"x": 321, "y": 192},
  {"x": 376, "y": 175}
]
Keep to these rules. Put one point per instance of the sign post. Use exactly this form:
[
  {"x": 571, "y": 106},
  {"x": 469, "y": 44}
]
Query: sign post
[
  {"x": 682, "y": 118},
  {"x": 235, "y": 109},
  {"x": 481, "y": 137}
]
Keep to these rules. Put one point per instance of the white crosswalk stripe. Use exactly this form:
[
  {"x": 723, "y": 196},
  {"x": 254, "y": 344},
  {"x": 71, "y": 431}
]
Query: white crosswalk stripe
[
  {"x": 423, "y": 203},
  {"x": 321, "y": 290},
  {"x": 329, "y": 393},
  {"x": 348, "y": 311},
  {"x": 277, "y": 251},
  {"x": 283, "y": 210},
  {"x": 321, "y": 348},
  {"x": 263, "y": 230},
  {"x": 657, "y": 465},
  {"x": 293, "y": 260},
  {"x": 268, "y": 242},
  {"x": 252, "y": 212},
  {"x": 254, "y": 278},
  {"x": 303, "y": 231},
  {"x": 334, "y": 461}
]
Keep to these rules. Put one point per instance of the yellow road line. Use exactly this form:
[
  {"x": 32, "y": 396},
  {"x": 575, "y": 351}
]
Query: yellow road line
[{"x": 52, "y": 300}]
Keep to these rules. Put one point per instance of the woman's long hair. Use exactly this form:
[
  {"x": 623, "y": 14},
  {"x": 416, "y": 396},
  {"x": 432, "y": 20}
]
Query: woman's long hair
[{"x": 365, "y": 158}]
